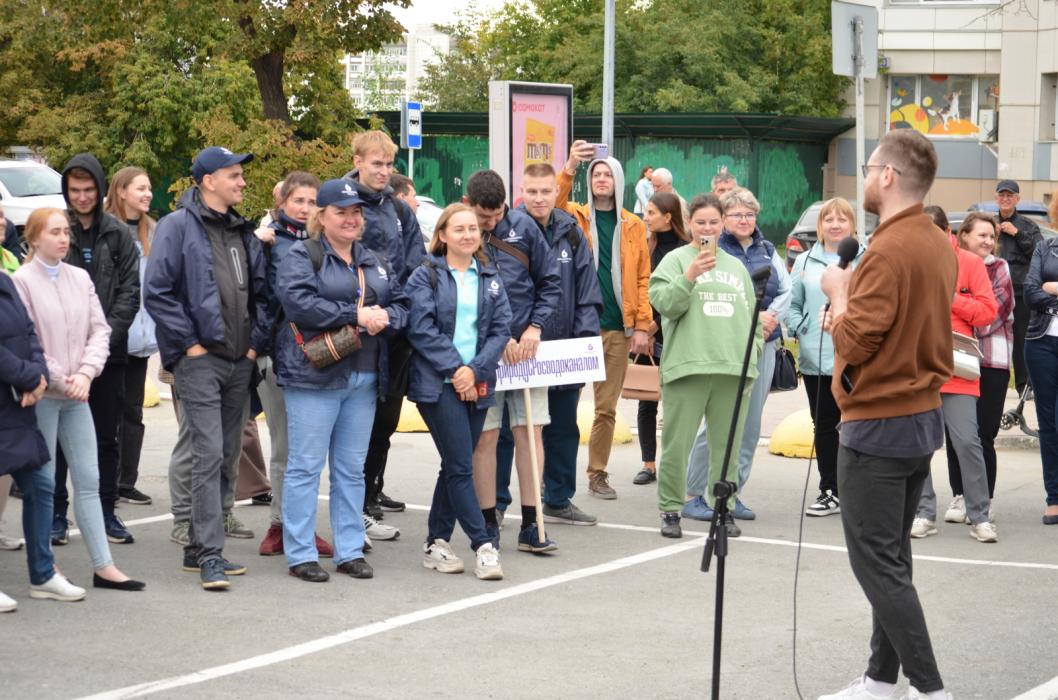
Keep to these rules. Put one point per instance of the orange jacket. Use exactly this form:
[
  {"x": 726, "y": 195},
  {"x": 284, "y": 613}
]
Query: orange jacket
[{"x": 635, "y": 255}]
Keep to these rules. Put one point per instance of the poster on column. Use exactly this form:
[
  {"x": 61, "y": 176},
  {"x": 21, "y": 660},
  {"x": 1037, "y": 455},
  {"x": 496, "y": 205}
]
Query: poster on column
[
  {"x": 528, "y": 123},
  {"x": 557, "y": 363}
]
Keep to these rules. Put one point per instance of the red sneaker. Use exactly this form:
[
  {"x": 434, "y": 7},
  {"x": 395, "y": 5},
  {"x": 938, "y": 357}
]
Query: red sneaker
[
  {"x": 272, "y": 544},
  {"x": 324, "y": 548}
]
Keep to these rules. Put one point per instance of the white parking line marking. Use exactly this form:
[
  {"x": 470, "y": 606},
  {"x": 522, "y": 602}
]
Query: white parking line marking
[
  {"x": 1047, "y": 691},
  {"x": 357, "y": 633}
]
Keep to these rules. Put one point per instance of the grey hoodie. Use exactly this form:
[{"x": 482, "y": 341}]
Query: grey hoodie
[{"x": 615, "y": 254}]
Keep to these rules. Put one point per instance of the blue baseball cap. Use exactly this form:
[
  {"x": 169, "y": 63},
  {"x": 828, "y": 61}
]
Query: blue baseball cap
[
  {"x": 338, "y": 193},
  {"x": 212, "y": 159}
]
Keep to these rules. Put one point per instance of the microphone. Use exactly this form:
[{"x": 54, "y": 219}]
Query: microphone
[
  {"x": 760, "y": 281},
  {"x": 847, "y": 250}
]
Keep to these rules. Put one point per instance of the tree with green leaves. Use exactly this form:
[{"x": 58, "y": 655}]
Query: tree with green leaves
[{"x": 671, "y": 55}]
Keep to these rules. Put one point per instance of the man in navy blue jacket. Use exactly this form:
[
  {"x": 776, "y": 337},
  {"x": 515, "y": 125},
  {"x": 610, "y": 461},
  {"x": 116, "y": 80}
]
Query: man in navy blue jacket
[
  {"x": 390, "y": 228},
  {"x": 518, "y": 249},
  {"x": 205, "y": 287},
  {"x": 576, "y": 316}
]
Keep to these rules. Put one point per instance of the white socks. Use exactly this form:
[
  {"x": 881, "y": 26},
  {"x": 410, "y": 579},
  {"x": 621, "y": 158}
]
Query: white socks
[{"x": 878, "y": 687}]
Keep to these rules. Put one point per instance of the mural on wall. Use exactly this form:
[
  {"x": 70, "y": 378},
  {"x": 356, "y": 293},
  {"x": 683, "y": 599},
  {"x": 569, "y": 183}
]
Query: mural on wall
[
  {"x": 785, "y": 177},
  {"x": 944, "y": 105}
]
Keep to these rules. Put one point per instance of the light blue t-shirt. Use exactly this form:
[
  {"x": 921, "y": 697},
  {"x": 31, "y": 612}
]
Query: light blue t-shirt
[{"x": 465, "y": 337}]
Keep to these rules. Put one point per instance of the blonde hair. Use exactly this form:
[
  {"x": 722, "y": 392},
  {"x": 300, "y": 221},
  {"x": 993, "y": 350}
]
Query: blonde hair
[
  {"x": 113, "y": 204},
  {"x": 739, "y": 197},
  {"x": 35, "y": 225},
  {"x": 837, "y": 205},
  {"x": 367, "y": 141},
  {"x": 439, "y": 247}
]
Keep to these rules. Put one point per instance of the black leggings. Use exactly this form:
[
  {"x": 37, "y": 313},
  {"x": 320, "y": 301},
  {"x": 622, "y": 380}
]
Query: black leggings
[
  {"x": 994, "y": 383},
  {"x": 826, "y": 419},
  {"x": 647, "y": 422}
]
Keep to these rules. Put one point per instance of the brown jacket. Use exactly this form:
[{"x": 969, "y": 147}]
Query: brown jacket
[{"x": 894, "y": 341}]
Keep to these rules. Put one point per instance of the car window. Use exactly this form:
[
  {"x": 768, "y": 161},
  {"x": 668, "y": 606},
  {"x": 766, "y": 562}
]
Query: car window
[
  {"x": 809, "y": 219},
  {"x": 30, "y": 182}
]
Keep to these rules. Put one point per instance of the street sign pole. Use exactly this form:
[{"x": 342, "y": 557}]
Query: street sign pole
[
  {"x": 607, "y": 74},
  {"x": 861, "y": 144},
  {"x": 411, "y": 131}
]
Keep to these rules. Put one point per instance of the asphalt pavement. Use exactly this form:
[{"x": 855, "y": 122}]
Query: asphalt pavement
[{"x": 617, "y": 612}]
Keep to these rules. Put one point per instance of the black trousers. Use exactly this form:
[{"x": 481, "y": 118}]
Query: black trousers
[
  {"x": 1021, "y": 323},
  {"x": 106, "y": 400},
  {"x": 826, "y": 418},
  {"x": 647, "y": 421},
  {"x": 879, "y": 498},
  {"x": 994, "y": 383},
  {"x": 132, "y": 422},
  {"x": 387, "y": 416}
]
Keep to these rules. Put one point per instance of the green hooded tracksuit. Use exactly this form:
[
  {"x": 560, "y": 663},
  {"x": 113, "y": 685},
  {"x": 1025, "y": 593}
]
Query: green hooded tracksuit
[{"x": 705, "y": 324}]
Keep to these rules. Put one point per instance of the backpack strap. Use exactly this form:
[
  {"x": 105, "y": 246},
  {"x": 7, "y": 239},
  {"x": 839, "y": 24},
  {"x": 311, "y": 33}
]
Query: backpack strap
[
  {"x": 428, "y": 264},
  {"x": 500, "y": 244},
  {"x": 315, "y": 250}
]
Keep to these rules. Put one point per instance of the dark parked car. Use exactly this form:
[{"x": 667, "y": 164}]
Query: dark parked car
[
  {"x": 803, "y": 235},
  {"x": 955, "y": 219}
]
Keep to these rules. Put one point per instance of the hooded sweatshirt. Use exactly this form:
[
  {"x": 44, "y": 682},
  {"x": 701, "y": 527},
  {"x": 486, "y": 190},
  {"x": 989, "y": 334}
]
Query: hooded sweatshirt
[
  {"x": 106, "y": 250},
  {"x": 390, "y": 228},
  {"x": 629, "y": 273},
  {"x": 231, "y": 271}
]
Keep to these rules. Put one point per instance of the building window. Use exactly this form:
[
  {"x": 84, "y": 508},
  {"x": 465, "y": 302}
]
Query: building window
[{"x": 945, "y": 106}]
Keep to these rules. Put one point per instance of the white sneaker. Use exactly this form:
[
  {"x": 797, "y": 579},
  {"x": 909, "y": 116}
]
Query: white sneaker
[
  {"x": 379, "y": 531},
  {"x": 956, "y": 512},
  {"x": 440, "y": 557},
  {"x": 7, "y": 603},
  {"x": 984, "y": 532},
  {"x": 826, "y": 504},
  {"x": 367, "y": 544},
  {"x": 488, "y": 563},
  {"x": 11, "y": 543},
  {"x": 857, "y": 690},
  {"x": 922, "y": 527},
  {"x": 991, "y": 512},
  {"x": 914, "y": 693},
  {"x": 57, "y": 588}
]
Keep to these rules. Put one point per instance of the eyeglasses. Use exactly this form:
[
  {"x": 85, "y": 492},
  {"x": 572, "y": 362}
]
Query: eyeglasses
[
  {"x": 743, "y": 217},
  {"x": 867, "y": 166}
]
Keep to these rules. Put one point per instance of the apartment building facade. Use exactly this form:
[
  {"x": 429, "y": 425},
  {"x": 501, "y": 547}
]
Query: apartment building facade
[{"x": 379, "y": 80}]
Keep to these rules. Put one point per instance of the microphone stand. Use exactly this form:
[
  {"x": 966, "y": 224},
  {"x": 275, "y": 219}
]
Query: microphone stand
[{"x": 716, "y": 542}]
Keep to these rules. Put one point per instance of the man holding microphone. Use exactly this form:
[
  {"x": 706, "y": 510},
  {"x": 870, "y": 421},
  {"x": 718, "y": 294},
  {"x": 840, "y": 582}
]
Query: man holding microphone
[{"x": 891, "y": 323}]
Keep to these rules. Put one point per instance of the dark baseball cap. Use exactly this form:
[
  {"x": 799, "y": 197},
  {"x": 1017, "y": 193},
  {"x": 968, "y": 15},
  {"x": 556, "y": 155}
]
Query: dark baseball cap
[
  {"x": 212, "y": 159},
  {"x": 338, "y": 193},
  {"x": 1008, "y": 186}
]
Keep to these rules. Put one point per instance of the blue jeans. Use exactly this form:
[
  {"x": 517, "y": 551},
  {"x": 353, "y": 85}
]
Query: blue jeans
[
  {"x": 1041, "y": 356},
  {"x": 322, "y": 424},
  {"x": 68, "y": 423},
  {"x": 698, "y": 462},
  {"x": 455, "y": 427},
  {"x": 37, "y": 486}
]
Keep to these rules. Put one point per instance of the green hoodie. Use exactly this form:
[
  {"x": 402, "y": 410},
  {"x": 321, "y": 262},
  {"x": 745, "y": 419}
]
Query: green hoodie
[{"x": 705, "y": 323}]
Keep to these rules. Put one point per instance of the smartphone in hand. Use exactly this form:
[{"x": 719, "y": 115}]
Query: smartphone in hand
[
  {"x": 708, "y": 243},
  {"x": 602, "y": 151}
]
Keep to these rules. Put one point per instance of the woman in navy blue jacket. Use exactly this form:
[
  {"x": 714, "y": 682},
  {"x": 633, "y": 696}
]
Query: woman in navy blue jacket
[
  {"x": 1041, "y": 357},
  {"x": 323, "y": 284},
  {"x": 459, "y": 325},
  {"x": 23, "y": 378}
]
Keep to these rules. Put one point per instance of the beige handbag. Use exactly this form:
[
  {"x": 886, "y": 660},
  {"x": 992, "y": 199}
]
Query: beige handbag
[{"x": 642, "y": 382}]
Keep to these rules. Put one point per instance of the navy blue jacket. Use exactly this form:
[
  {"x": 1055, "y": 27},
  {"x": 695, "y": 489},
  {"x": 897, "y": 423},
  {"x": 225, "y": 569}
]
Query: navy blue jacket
[
  {"x": 324, "y": 300},
  {"x": 579, "y": 304},
  {"x": 757, "y": 255},
  {"x": 274, "y": 255},
  {"x": 533, "y": 293},
  {"x": 21, "y": 367},
  {"x": 431, "y": 327},
  {"x": 1043, "y": 267},
  {"x": 390, "y": 227},
  {"x": 11, "y": 241},
  {"x": 180, "y": 293}
]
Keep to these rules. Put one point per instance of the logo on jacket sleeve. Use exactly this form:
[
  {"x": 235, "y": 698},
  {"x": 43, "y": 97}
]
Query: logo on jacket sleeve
[{"x": 382, "y": 272}]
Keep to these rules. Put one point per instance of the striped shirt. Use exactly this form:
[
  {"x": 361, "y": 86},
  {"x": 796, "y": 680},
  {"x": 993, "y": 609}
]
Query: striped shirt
[{"x": 996, "y": 339}]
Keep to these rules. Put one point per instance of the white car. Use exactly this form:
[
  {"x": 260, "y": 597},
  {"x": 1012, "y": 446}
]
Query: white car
[
  {"x": 428, "y": 214},
  {"x": 25, "y": 186}
]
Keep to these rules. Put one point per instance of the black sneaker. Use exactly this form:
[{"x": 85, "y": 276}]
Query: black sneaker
[
  {"x": 134, "y": 496},
  {"x": 116, "y": 530},
  {"x": 387, "y": 503},
  {"x": 213, "y": 576},
  {"x": 265, "y": 499},
  {"x": 60, "y": 530},
  {"x": 670, "y": 525},
  {"x": 733, "y": 530},
  {"x": 230, "y": 568},
  {"x": 311, "y": 572},
  {"x": 357, "y": 568},
  {"x": 373, "y": 509}
]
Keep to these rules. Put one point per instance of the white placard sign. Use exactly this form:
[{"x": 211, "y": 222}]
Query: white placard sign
[{"x": 557, "y": 362}]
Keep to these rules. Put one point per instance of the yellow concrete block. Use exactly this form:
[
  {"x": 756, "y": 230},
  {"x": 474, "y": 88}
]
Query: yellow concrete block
[
  {"x": 150, "y": 394},
  {"x": 410, "y": 420},
  {"x": 793, "y": 436},
  {"x": 622, "y": 434}
]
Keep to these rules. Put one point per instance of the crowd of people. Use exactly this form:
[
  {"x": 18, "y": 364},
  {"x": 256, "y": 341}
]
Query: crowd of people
[{"x": 329, "y": 312}]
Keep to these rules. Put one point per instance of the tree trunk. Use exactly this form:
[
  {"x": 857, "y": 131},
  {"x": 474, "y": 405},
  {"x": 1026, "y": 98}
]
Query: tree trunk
[{"x": 268, "y": 69}]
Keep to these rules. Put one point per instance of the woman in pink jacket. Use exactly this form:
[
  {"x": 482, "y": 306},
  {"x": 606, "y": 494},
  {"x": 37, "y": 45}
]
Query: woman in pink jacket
[
  {"x": 974, "y": 304},
  {"x": 73, "y": 331}
]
